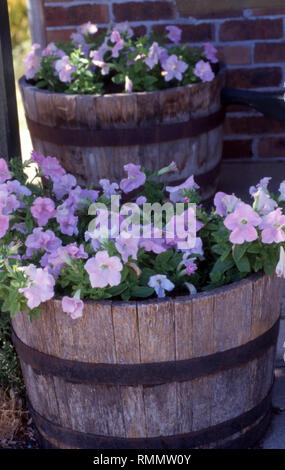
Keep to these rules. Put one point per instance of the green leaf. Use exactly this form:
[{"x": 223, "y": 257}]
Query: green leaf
[
  {"x": 239, "y": 251},
  {"x": 243, "y": 264},
  {"x": 142, "y": 291}
]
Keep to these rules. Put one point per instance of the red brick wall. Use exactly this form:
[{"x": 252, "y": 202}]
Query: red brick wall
[{"x": 250, "y": 41}]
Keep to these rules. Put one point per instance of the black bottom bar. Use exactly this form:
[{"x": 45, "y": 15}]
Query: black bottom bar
[{"x": 257, "y": 419}]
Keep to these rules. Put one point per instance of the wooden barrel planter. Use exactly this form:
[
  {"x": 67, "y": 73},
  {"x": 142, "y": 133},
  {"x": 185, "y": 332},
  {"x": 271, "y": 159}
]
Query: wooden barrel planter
[
  {"x": 94, "y": 136},
  {"x": 187, "y": 372}
]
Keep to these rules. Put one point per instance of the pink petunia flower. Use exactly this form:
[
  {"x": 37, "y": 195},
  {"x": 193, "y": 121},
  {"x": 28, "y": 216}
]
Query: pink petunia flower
[
  {"x": 63, "y": 184},
  {"x": 64, "y": 69},
  {"x": 177, "y": 192},
  {"x": 174, "y": 34},
  {"x": 104, "y": 270},
  {"x": 40, "y": 286},
  {"x": 109, "y": 189},
  {"x": 273, "y": 226},
  {"x": 174, "y": 68},
  {"x": 135, "y": 179},
  {"x": 51, "y": 49},
  {"x": 127, "y": 246},
  {"x": 32, "y": 62},
  {"x": 88, "y": 28},
  {"x": 154, "y": 55},
  {"x": 4, "y": 171},
  {"x": 128, "y": 85},
  {"x": 37, "y": 157},
  {"x": 39, "y": 240},
  {"x": 4, "y": 224},
  {"x": 67, "y": 220},
  {"x": 242, "y": 223},
  {"x": 73, "y": 306},
  {"x": 210, "y": 52},
  {"x": 8, "y": 202},
  {"x": 125, "y": 28},
  {"x": 203, "y": 70},
  {"x": 225, "y": 203},
  {"x": 117, "y": 48},
  {"x": 51, "y": 167},
  {"x": 42, "y": 210}
]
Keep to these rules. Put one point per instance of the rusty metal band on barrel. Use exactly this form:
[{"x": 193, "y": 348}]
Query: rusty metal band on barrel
[
  {"x": 145, "y": 373},
  {"x": 76, "y": 137},
  {"x": 257, "y": 419}
]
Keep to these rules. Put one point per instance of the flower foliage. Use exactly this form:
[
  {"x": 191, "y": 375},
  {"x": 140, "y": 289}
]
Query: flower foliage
[
  {"x": 117, "y": 61},
  {"x": 58, "y": 239}
]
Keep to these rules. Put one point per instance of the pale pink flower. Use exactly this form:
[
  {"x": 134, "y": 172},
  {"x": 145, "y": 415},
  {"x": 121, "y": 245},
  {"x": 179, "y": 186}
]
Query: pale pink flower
[
  {"x": 8, "y": 202},
  {"x": 203, "y": 70},
  {"x": 128, "y": 85},
  {"x": 39, "y": 240},
  {"x": 51, "y": 167},
  {"x": 125, "y": 28},
  {"x": 273, "y": 226},
  {"x": 37, "y": 157},
  {"x": 135, "y": 179},
  {"x": 4, "y": 224},
  {"x": 56, "y": 260},
  {"x": 79, "y": 41},
  {"x": 242, "y": 223},
  {"x": 63, "y": 184},
  {"x": 88, "y": 28},
  {"x": 171, "y": 168},
  {"x": 177, "y": 192},
  {"x": 174, "y": 68},
  {"x": 160, "y": 284},
  {"x": 98, "y": 60},
  {"x": 117, "y": 47},
  {"x": 32, "y": 62},
  {"x": 282, "y": 191},
  {"x": 4, "y": 171},
  {"x": 64, "y": 69},
  {"x": 191, "y": 266},
  {"x": 115, "y": 36},
  {"x": 154, "y": 55},
  {"x": 210, "y": 52},
  {"x": 225, "y": 203},
  {"x": 19, "y": 189},
  {"x": 73, "y": 306},
  {"x": 141, "y": 200},
  {"x": 40, "y": 286},
  {"x": 51, "y": 49},
  {"x": 174, "y": 34},
  {"x": 109, "y": 189},
  {"x": 152, "y": 239},
  {"x": 104, "y": 270},
  {"x": 67, "y": 220},
  {"x": 280, "y": 268},
  {"x": 127, "y": 246},
  {"x": 42, "y": 210}
]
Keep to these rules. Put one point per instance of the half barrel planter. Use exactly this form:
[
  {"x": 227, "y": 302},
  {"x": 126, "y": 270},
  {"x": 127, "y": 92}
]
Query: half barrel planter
[
  {"x": 187, "y": 372},
  {"x": 94, "y": 136}
]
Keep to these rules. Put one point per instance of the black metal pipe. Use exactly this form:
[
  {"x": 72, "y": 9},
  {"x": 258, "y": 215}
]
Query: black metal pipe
[{"x": 269, "y": 104}]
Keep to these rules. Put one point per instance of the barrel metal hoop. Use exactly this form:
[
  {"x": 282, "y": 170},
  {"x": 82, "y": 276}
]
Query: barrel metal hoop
[
  {"x": 76, "y": 137},
  {"x": 257, "y": 419},
  {"x": 145, "y": 373}
]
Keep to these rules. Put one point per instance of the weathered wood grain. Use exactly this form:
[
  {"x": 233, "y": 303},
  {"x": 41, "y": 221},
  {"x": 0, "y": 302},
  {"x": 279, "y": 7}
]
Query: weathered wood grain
[{"x": 156, "y": 331}]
